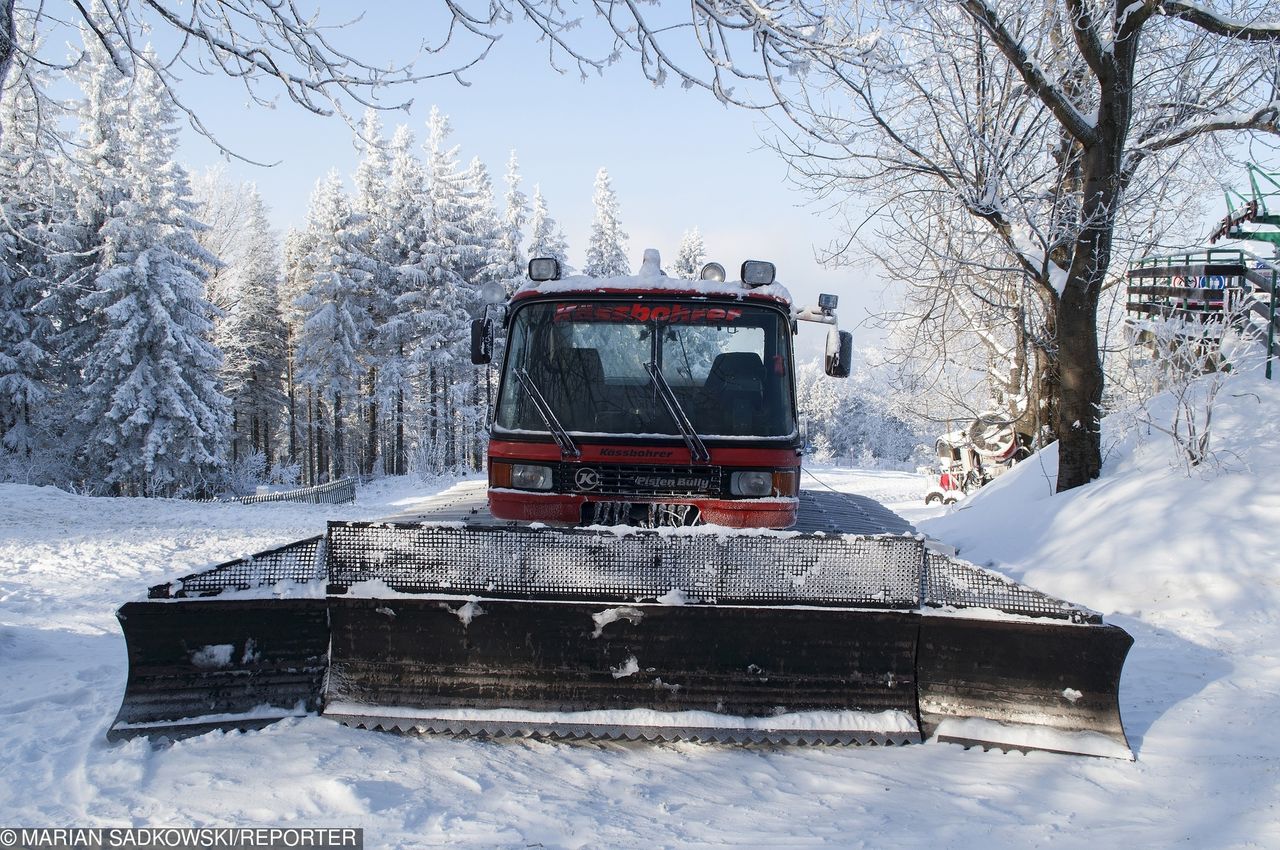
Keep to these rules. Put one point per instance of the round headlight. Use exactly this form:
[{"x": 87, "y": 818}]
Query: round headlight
[
  {"x": 713, "y": 271},
  {"x": 751, "y": 483},
  {"x": 528, "y": 476}
]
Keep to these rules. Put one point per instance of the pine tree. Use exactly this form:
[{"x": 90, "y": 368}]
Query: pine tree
[
  {"x": 546, "y": 240},
  {"x": 332, "y": 328},
  {"x": 97, "y": 190},
  {"x": 691, "y": 255},
  {"x": 469, "y": 388},
  {"x": 253, "y": 334},
  {"x": 378, "y": 243},
  {"x": 512, "y": 263},
  {"x": 155, "y": 415},
  {"x": 445, "y": 257},
  {"x": 606, "y": 249},
  {"x": 298, "y": 252},
  {"x": 397, "y": 334},
  {"x": 27, "y": 201}
]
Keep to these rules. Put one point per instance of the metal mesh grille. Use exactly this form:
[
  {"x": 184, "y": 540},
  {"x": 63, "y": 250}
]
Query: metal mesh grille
[
  {"x": 298, "y": 562},
  {"x": 952, "y": 583},
  {"x": 865, "y": 571},
  {"x": 879, "y": 571}
]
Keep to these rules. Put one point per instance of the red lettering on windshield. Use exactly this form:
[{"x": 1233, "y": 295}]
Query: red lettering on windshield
[{"x": 662, "y": 313}]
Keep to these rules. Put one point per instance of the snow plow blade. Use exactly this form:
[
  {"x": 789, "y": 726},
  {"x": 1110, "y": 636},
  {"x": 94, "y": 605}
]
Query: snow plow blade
[
  {"x": 203, "y": 664},
  {"x": 226, "y": 648},
  {"x": 728, "y": 674},
  {"x": 697, "y": 634}
]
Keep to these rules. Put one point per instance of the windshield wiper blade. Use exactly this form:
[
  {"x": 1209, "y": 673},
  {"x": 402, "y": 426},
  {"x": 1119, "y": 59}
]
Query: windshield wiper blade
[
  {"x": 697, "y": 449},
  {"x": 567, "y": 447}
]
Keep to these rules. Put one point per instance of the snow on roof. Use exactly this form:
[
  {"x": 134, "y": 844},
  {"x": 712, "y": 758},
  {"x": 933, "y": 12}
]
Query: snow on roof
[
  {"x": 651, "y": 277},
  {"x": 658, "y": 283}
]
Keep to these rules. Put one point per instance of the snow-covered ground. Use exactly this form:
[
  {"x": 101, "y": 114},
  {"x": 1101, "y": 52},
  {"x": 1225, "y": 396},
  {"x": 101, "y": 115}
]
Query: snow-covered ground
[{"x": 1189, "y": 566}]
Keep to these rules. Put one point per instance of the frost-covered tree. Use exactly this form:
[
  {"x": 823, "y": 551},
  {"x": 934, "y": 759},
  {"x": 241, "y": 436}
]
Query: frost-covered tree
[
  {"x": 333, "y": 327},
  {"x": 252, "y": 335},
  {"x": 511, "y": 258},
  {"x": 482, "y": 257},
  {"x": 457, "y": 253},
  {"x": 471, "y": 389},
  {"x": 546, "y": 238},
  {"x": 854, "y": 419},
  {"x": 690, "y": 256},
  {"x": 397, "y": 335},
  {"x": 436, "y": 298},
  {"x": 154, "y": 415},
  {"x": 29, "y": 194},
  {"x": 378, "y": 244},
  {"x": 223, "y": 205},
  {"x": 607, "y": 245},
  {"x": 99, "y": 186}
]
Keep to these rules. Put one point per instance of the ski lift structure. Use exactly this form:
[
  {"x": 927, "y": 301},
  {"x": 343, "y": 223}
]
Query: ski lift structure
[
  {"x": 1255, "y": 217},
  {"x": 1205, "y": 291}
]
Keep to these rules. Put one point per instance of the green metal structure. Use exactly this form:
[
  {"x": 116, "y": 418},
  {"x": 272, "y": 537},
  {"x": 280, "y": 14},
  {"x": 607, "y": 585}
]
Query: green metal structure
[{"x": 1245, "y": 214}]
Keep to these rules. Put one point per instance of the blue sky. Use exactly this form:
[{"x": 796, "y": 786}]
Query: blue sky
[{"x": 677, "y": 157}]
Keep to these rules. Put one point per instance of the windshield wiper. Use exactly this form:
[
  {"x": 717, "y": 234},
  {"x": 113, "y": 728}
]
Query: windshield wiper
[
  {"x": 697, "y": 449},
  {"x": 567, "y": 447}
]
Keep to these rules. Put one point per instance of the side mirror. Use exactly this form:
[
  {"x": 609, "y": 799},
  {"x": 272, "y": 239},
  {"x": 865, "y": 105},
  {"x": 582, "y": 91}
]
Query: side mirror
[
  {"x": 839, "y": 353},
  {"x": 481, "y": 341}
]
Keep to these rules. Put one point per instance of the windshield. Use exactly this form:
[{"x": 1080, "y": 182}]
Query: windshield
[{"x": 729, "y": 368}]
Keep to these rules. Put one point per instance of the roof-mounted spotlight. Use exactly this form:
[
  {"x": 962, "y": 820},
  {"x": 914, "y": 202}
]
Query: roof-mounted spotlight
[
  {"x": 713, "y": 271},
  {"x": 758, "y": 273},
  {"x": 493, "y": 292},
  {"x": 544, "y": 268}
]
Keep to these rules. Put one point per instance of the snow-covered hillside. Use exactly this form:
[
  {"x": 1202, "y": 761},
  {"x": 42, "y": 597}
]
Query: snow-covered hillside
[{"x": 1187, "y": 565}]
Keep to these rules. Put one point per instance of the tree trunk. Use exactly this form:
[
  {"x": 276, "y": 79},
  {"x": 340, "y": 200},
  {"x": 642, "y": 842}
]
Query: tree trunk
[
  {"x": 338, "y": 460},
  {"x": 401, "y": 462},
  {"x": 371, "y": 444},
  {"x": 1080, "y": 388},
  {"x": 293, "y": 406},
  {"x": 322, "y": 458}
]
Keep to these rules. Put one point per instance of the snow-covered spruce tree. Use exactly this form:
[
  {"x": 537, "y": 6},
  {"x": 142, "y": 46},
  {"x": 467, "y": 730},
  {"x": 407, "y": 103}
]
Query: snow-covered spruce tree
[
  {"x": 690, "y": 256},
  {"x": 397, "y": 335},
  {"x": 154, "y": 415},
  {"x": 607, "y": 245},
  {"x": 546, "y": 239},
  {"x": 252, "y": 338},
  {"x": 473, "y": 386},
  {"x": 333, "y": 327},
  {"x": 97, "y": 189},
  {"x": 438, "y": 302},
  {"x": 378, "y": 244},
  {"x": 28, "y": 198},
  {"x": 512, "y": 263},
  {"x": 299, "y": 245}
]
